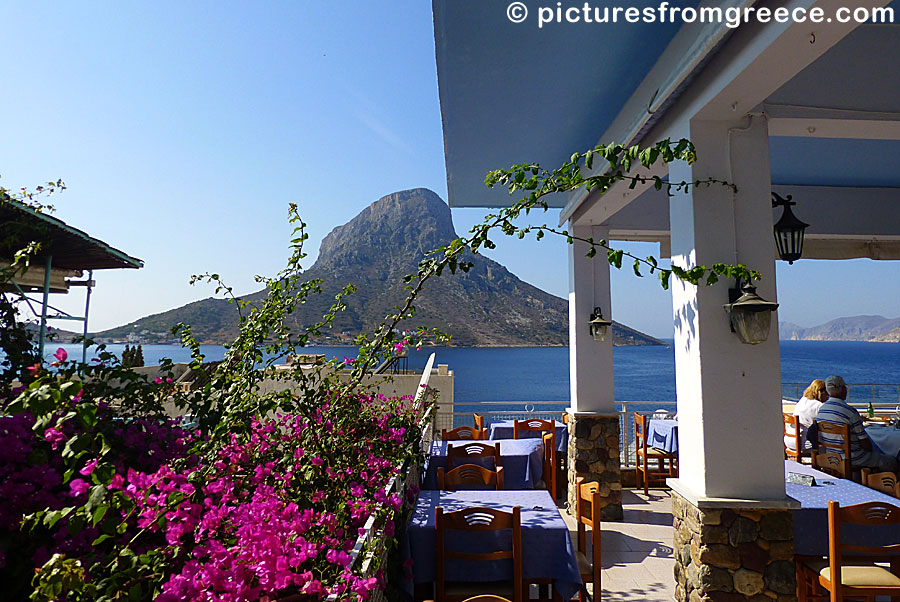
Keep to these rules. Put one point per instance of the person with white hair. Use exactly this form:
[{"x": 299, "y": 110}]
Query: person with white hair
[{"x": 837, "y": 410}]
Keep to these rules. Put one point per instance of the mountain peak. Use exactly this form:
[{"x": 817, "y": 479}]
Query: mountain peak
[{"x": 409, "y": 222}]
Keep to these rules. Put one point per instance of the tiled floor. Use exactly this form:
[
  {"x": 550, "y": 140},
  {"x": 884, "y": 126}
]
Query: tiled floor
[{"x": 638, "y": 562}]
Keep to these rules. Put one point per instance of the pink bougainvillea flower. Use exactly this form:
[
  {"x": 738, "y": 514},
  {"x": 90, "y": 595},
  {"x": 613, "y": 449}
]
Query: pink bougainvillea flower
[
  {"x": 88, "y": 468},
  {"x": 77, "y": 397},
  {"x": 158, "y": 380},
  {"x": 54, "y": 436},
  {"x": 78, "y": 487},
  {"x": 33, "y": 369},
  {"x": 61, "y": 355}
]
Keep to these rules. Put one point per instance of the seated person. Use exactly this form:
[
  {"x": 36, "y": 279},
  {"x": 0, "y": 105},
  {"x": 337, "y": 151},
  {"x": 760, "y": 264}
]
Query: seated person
[
  {"x": 805, "y": 411},
  {"x": 837, "y": 410}
]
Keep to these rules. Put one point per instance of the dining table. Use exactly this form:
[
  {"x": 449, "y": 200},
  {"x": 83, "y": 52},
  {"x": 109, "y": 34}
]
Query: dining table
[
  {"x": 547, "y": 551},
  {"x": 885, "y": 439},
  {"x": 663, "y": 434},
  {"x": 505, "y": 429},
  {"x": 811, "y": 519},
  {"x": 522, "y": 461}
]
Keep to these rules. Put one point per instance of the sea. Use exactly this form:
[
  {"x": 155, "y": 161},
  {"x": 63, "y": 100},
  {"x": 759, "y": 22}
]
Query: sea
[{"x": 646, "y": 374}]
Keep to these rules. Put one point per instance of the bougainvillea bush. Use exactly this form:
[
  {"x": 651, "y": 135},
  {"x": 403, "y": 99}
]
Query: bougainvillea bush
[
  {"x": 275, "y": 510},
  {"x": 263, "y": 496}
]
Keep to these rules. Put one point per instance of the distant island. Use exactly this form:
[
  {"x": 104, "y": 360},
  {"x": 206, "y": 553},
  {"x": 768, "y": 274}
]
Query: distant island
[
  {"x": 488, "y": 306},
  {"x": 872, "y": 329}
]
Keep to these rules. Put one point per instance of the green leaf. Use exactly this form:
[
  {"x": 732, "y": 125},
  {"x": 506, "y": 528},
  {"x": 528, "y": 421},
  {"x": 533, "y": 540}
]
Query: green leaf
[
  {"x": 615, "y": 257},
  {"x": 101, "y": 539},
  {"x": 664, "y": 279},
  {"x": 99, "y": 513}
]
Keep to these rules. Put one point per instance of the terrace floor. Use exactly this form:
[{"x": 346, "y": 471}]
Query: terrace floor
[{"x": 638, "y": 560}]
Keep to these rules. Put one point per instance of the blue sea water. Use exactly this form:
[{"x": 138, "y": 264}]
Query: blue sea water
[{"x": 534, "y": 374}]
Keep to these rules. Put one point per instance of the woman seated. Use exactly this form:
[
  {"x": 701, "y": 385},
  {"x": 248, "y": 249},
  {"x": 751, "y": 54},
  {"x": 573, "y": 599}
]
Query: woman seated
[{"x": 806, "y": 410}]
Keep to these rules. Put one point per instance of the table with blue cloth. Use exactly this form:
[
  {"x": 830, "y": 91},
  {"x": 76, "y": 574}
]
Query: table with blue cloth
[
  {"x": 885, "y": 439},
  {"x": 811, "y": 519},
  {"x": 522, "y": 461},
  {"x": 547, "y": 551},
  {"x": 505, "y": 429},
  {"x": 663, "y": 434}
]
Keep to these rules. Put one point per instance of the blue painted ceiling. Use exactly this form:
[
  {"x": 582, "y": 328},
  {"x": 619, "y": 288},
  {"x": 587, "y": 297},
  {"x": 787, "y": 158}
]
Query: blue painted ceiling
[
  {"x": 514, "y": 93},
  {"x": 835, "y": 162}
]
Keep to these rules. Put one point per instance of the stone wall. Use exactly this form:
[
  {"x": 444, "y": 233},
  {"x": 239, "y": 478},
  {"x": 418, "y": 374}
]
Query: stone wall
[
  {"x": 594, "y": 455},
  {"x": 733, "y": 554}
]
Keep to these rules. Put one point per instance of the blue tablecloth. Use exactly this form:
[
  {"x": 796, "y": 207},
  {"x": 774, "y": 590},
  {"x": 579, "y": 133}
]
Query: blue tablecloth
[
  {"x": 522, "y": 461},
  {"x": 885, "y": 439},
  {"x": 811, "y": 520},
  {"x": 663, "y": 434},
  {"x": 505, "y": 430},
  {"x": 547, "y": 551}
]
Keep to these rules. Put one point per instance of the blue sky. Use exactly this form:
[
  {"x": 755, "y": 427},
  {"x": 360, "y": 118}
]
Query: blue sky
[{"x": 183, "y": 130}]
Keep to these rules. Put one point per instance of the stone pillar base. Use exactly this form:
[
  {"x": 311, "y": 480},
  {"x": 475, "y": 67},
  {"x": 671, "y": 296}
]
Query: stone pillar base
[
  {"x": 733, "y": 554},
  {"x": 594, "y": 455}
]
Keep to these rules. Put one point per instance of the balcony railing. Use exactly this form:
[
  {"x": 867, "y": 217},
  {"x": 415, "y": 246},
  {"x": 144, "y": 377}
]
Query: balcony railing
[{"x": 885, "y": 398}]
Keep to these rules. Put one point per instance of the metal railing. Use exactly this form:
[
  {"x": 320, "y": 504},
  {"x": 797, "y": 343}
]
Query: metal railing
[
  {"x": 881, "y": 395},
  {"x": 450, "y": 416}
]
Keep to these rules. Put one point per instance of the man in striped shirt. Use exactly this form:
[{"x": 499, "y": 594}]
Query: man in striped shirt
[{"x": 837, "y": 410}]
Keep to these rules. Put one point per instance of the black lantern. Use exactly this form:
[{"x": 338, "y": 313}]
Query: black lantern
[
  {"x": 751, "y": 315},
  {"x": 598, "y": 325},
  {"x": 788, "y": 230}
]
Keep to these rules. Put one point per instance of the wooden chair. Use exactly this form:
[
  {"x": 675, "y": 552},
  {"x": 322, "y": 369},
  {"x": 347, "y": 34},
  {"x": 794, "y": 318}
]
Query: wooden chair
[
  {"x": 646, "y": 454},
  {"x": 827, "y": 444},
  {"x": 478, "y": 520},
  {"x": 792, "y": 431},
  {"x": 549, "y": 465},
  {"x": 471, "y": 450},
  {"x": 588, "y": 494},
  {"x": 885, "y": 482},
  {"x": 464, "y": 433},
  {"x": 561, "y": 463},
  {"x": 470, "y": 476},
  {"x": 830, "y": 463},
  {"x": 479, "y": 422},
  {"x": 860, "y": 577},
  {"x": 550, "y": 462}
]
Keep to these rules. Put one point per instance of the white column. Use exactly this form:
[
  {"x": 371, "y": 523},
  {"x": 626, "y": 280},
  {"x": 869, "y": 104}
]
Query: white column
[
  {"x": 729, "y": 393},
  {"x": 590, "y": 361}
]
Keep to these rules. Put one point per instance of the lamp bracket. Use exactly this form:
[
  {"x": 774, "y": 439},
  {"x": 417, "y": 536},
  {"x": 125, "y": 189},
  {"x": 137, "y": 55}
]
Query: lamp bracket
[{"x": 779, "y": 201}]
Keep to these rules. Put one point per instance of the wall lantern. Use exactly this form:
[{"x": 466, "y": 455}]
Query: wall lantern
[
  {"x": 788, "y": 230},
  {"x": 598, "y": 325},
  {"x": 750, "y": 314}
]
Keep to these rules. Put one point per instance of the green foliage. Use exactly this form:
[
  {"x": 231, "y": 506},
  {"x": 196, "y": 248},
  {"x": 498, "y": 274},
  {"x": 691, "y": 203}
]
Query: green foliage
[
  {"x": 133, "y": 357},
  {"x": 619, "y": 161}
]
